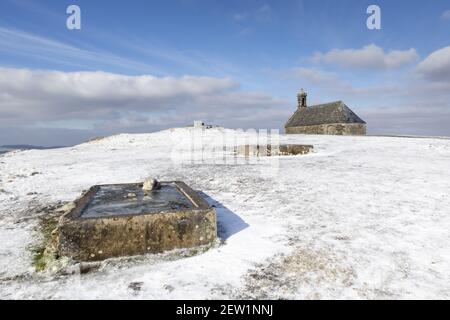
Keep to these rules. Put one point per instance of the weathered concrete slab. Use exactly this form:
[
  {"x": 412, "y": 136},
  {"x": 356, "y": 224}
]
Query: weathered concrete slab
[
  {"x": 93, "y": 237},
  {"x": 269, "y": 150}
]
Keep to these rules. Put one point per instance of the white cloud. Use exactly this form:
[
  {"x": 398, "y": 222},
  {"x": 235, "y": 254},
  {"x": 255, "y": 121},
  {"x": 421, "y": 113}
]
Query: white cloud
[
  {"x": 446, "y": 15},
  {"x": 436, "y": 66},
  {"x": 55, "y": 95},
  {"x": 369, "y": 57},
  {"x": 114, "y": 103}
]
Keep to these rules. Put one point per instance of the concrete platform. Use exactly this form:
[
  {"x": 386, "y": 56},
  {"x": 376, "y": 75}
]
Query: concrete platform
[
  {"x": 110, "y": 221},
  {"x": 268, "y": 150}
]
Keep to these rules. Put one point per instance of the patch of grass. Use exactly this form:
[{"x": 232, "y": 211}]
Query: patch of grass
[
  {"x": 38, "y": 259},
  {"x": 45, "y": 253}
]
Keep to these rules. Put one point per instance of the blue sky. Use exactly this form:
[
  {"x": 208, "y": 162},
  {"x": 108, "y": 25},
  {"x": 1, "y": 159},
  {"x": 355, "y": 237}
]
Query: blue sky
[{"x": 232, "y": 63}]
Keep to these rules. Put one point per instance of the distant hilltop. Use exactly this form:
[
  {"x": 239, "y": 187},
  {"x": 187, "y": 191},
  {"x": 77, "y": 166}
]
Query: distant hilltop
[{"x": 7, "y": 148}]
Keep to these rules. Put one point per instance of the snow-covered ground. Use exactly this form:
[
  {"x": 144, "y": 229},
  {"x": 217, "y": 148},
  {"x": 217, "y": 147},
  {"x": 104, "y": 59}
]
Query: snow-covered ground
[{"x": 360, "y": 218}]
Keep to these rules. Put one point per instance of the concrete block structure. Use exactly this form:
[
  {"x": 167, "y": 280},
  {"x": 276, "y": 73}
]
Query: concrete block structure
[{"x": 117, "y": 220}]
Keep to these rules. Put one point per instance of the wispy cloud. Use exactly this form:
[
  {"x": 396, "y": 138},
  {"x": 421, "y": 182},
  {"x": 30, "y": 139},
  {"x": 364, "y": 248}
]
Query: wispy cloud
[
  {"x": 240, "y": 16},
  {"x": 248, "y": 20},
  {"x": 368, "y": 57},
  {"x": 42, "y": 48},
  {"x": 263, "y": 13},
  {"x": 315, "y": 76},
  {"x": 193, "y": 60},
  {"x": 333, "y": 83},
  {"x": 446, "y": 15},
  {"x": 260, "y": 14},
  {"x": 148, "y": 58}
]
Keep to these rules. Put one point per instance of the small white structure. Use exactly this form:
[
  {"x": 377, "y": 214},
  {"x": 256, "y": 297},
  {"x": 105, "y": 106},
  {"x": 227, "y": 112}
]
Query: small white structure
[{"x": 199, "y": 124}]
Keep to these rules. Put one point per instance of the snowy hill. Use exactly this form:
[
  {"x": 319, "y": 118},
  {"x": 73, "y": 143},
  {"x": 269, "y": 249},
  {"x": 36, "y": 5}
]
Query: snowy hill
[{"x": 361, "y": 217}]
